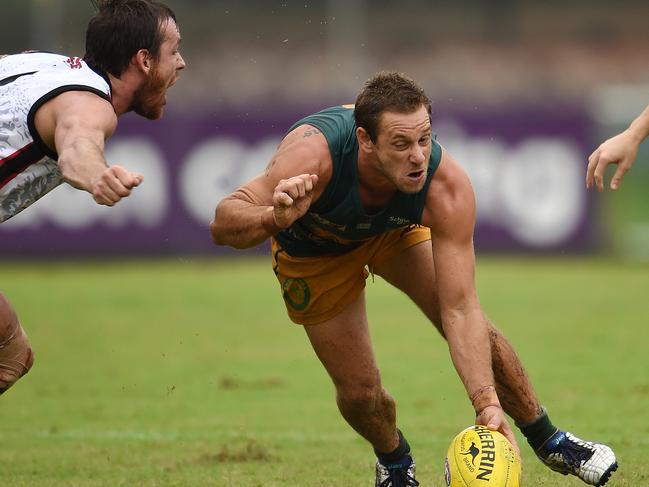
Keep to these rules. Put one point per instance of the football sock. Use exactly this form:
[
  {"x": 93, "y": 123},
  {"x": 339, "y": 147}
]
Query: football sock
[
  {"x": 538, "y": 431},
  {"x": 400, "y": 455}
]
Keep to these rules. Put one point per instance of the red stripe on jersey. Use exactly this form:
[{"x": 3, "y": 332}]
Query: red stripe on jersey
[
  {"x": 17, "y": 162},
  {"x": 15, "y": 154}
]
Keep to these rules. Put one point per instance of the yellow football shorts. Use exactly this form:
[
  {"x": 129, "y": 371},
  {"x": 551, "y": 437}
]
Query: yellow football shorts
[{"x": 315, "y": 289}]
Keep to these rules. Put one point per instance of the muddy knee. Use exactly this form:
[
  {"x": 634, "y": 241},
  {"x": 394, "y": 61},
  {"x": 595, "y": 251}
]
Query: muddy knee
[
  {"x": 16, "y": 355},
  {"x": 364, "y": 399}
]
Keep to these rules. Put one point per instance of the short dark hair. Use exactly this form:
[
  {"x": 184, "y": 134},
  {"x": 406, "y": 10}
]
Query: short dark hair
[
  {"x": 387, "y": 91},
  {"x": 120, "y": 28}
]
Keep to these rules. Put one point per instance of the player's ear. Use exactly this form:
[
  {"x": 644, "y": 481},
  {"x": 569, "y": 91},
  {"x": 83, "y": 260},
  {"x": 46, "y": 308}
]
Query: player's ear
[
  {"x": 142, "y": 59},
  {"x": 364, "y": 140}
]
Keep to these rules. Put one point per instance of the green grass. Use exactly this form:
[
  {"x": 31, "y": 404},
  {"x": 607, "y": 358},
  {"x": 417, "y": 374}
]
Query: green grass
[{"x": 188, "y": 373}]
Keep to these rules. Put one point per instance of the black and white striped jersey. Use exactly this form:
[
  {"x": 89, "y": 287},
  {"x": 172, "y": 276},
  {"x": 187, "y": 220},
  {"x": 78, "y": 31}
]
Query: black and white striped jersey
[{"x": 28, "y": 168}]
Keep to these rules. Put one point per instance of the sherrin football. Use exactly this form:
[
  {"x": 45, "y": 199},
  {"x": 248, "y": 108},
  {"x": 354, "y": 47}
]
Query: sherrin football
[{"x": 479, "y": 456}]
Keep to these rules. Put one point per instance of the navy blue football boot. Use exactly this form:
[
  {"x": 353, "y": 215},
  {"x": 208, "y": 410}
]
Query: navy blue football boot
[
  {"x": 396, "y": 475},
  {"x": 591, "y": 462}
]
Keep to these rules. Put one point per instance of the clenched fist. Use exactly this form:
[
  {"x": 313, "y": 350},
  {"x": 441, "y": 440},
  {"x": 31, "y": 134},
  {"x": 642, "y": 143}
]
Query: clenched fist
[
  {"x": 114, "y": 184},
  {"x": 292, "y": 198}
]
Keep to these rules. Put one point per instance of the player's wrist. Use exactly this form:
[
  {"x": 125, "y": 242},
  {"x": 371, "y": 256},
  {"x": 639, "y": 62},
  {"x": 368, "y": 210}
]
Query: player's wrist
[
  {"x": 484, "y": 397},
  {"x": 483, "y": 408},
  {"x": 269, "y": 223},
  {"x": 637, "y": 133}
]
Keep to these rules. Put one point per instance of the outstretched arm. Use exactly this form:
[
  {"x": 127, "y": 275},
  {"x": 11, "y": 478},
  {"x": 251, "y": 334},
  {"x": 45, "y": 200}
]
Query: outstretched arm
[
  {"x": 621, "y": 150},
  {"x": 450, "y": 214},
  {"x": 274, "y": 200},
  {"x": 76, "y": 125}
]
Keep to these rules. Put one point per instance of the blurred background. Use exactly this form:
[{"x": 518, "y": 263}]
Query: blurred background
[
  {"x": 160, "y": 372},
  {"x": 522, "y": 92}
]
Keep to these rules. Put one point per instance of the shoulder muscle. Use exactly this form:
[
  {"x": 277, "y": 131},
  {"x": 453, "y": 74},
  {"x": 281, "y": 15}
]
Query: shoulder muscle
[
  {"x": 450, "y": 202},
  {"x": 304, "y": 150},
  {"x": 74, "y": 113}
]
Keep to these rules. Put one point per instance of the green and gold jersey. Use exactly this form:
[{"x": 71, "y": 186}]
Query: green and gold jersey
[{"x": 337, "y": 221}]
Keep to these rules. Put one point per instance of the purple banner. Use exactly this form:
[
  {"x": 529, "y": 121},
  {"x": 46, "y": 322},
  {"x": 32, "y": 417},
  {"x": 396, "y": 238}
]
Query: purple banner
[{"x": 526, "y": 167}]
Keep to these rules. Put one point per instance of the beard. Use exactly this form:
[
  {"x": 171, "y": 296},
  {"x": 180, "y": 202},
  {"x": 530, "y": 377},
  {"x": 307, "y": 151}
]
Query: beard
[{"x": 148, "y": 101}]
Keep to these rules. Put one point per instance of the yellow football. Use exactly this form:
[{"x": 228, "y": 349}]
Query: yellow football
[{"x": 479, "y": 456}]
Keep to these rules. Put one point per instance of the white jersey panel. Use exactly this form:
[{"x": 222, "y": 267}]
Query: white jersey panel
[{"x": 28, "y": 169}]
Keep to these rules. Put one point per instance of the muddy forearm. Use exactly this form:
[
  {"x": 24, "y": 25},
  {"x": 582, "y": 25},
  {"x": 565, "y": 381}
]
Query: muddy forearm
[{"x": 241, "y": 224}]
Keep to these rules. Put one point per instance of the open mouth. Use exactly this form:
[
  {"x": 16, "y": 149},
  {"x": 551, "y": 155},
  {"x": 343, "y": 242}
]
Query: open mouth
[
  {"x": 173, "y": 82},
  {"x": 416, "y": 174}
]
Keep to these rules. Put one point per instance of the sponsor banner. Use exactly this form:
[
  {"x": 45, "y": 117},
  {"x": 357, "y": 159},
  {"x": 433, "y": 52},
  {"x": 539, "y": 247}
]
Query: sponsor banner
[
  {"x": 528, "y": 170},
  {"x": 526, "y": 166}
]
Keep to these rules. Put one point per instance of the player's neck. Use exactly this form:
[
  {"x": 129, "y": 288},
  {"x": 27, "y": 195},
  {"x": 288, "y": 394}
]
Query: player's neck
[
  {"x": 118, "y": 99},
  {"x": 123, "y": 92}
]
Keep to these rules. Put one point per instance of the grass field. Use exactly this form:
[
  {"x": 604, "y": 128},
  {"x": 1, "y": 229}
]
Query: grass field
[{"x": 187, "y": 373}]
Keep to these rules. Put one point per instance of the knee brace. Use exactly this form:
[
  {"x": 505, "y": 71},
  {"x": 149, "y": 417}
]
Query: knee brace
[{"x": 16, "y": 356}]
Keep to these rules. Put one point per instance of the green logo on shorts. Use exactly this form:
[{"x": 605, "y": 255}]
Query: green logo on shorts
[{"x": 296, "y": 293}]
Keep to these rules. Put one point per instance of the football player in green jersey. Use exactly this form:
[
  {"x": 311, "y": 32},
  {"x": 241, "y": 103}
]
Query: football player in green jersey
[{"x": 361, "y": 187}]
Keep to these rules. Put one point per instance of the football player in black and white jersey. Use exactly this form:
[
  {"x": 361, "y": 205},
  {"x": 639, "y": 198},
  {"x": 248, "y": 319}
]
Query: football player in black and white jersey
[{"x": 56, "y": 112}]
